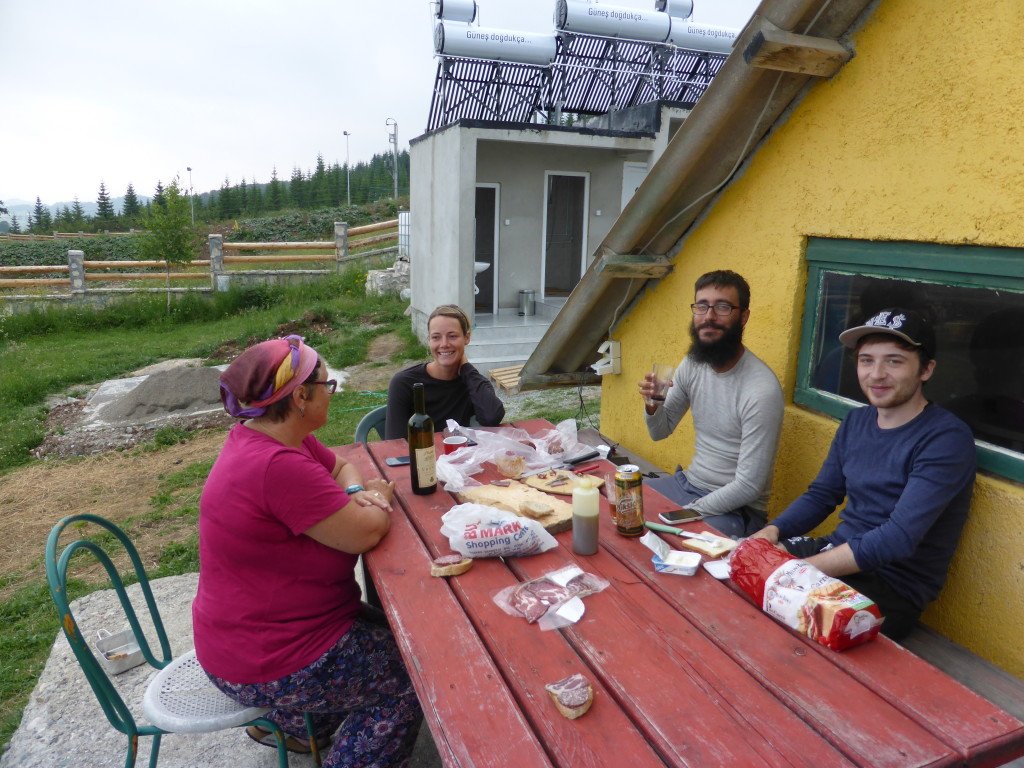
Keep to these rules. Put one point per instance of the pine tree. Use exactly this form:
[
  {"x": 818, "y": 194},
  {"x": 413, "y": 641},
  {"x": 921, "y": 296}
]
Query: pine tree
[
  {"x": 256, "y": 204},
  {"x": 275, "y": 191},
  {"x": 35, "y": 220},
  {"x": 158, "y": 195},
  {"x": 130, "y": 210},
  {"x": 15, "y": 226},
  {"x": 227, "y": 205},
  {"x": 2, "y": 209},
  {"x": 104, "y": 208},
  {"x": 243, "y": 197},
  {"x": 63, "y": 219},
  {"x": 297, "y": 189},
  {"x": 77, "y": 216}
]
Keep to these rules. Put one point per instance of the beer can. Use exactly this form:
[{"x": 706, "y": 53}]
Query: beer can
[{"x": 629, "y": 509}]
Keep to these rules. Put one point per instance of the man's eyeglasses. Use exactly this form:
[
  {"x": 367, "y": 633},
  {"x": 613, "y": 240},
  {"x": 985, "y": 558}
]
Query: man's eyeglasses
[
  {"x": 722, "y": 308},
  {"x": 331, "y": 385}
]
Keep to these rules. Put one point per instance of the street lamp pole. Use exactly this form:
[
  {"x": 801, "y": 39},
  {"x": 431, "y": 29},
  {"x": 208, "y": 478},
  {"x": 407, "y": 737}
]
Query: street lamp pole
[
  {"x": 348, "y": 172},
  {"x": 393, "y": 138},
  {"x": 191, "y": 196}
]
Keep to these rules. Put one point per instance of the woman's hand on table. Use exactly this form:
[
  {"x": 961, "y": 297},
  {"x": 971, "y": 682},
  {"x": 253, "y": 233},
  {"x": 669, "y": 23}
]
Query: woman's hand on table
[{"x": 378, "y": 493}]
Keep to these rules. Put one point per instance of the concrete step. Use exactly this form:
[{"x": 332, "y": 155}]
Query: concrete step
[{"x": 501, "y": 348}]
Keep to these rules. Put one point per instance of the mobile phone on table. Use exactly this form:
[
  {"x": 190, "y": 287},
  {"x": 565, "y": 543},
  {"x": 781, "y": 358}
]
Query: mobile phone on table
[
  {"x": 680, "y": 516},
  {"x": 396, "y": 461}
]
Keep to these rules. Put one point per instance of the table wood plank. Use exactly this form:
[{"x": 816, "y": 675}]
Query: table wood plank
[
  {"x": 528, "y": 657},
  {"x": 454, "y": 676},
  {"x": 971, "y": 727},
  {"x": 650, "y": 658}
]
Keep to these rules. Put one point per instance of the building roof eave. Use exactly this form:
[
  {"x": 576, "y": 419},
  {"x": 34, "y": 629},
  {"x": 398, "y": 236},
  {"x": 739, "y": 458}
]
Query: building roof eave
[{"x": 728, "y": 123}]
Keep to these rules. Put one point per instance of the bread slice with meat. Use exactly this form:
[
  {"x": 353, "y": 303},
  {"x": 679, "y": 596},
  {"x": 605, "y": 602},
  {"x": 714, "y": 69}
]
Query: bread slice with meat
[
  {"x": 572, "y": 695},
  {"x": 450, "y": 565}
]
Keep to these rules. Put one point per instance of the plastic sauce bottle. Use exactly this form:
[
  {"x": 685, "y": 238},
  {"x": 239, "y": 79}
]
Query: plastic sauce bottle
[
  {"x": 422, "y": 459},
  {"x": 585, "y": 509}
]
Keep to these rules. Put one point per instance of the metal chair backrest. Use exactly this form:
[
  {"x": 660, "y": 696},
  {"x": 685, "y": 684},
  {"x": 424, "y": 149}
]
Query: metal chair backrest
[
  {"x": 101, "y": 547},
  {"x": 375, "y": 421}
]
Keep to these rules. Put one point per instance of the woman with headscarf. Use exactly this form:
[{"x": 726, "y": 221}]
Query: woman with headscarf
[
  {"x": 453, "y": 387},
  {"x": 278, "y": 619}
]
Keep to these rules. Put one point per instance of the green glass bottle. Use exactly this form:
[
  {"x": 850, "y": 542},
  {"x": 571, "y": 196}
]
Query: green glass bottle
[{"x": 421, "y": 446}]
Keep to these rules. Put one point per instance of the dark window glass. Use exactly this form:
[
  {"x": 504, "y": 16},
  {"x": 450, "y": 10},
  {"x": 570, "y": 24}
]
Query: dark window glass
[{"x": 975, "y": 296}]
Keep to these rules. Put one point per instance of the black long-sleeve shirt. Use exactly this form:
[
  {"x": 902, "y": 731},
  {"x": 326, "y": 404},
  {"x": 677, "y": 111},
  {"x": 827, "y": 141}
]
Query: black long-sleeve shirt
[{"x": 460, "y": 399}]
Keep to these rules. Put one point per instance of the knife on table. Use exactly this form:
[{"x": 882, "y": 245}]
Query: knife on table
[
  {"x": 709, "y": 538},
  {"x": 567, "y": 464}
]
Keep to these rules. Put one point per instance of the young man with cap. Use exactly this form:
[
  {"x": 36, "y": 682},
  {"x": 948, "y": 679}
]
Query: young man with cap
[
  {"x": 736, "y": 403},
  {"x": 906, "y": 469}
]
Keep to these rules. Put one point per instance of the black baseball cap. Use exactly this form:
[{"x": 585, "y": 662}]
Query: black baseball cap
[{"x": 905, "y": 324}]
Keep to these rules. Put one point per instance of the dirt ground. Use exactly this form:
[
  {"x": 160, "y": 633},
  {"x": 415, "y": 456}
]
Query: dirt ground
[
  {"x": 90, "y": 470},
  {"x": 116, "y": 485}
]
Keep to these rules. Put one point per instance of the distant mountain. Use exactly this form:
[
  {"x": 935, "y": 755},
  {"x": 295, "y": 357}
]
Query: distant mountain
[{"x": 22, "y": 208}]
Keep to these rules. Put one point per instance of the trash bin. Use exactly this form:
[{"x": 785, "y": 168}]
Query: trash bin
[{"x": 527, "y": 305}]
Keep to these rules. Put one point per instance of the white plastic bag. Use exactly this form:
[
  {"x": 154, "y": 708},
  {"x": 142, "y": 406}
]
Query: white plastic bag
[
  {"x": 455, "y": 470},
  {"x": 476, "y": 530}
]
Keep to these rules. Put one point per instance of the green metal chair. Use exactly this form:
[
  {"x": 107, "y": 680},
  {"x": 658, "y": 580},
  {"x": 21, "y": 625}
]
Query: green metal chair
[
  {"x": 196, "y": 707},
  {"x": 374, "y": 420}
]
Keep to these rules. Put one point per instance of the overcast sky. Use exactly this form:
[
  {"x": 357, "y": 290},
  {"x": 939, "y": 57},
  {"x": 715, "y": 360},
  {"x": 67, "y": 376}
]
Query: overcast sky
[{"x": 137, "y": 91}]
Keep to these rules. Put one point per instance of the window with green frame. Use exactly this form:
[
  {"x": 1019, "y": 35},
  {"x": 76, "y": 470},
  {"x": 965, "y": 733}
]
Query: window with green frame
[{"x": 975, "y": 298}]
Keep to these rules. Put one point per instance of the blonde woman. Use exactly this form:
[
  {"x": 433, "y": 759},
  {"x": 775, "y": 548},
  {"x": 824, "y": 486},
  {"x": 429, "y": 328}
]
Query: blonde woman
[{"x": 454, "y": 388}]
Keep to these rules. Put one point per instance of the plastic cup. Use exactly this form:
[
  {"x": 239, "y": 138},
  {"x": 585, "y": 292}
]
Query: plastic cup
[
  {"x": 453, "y": 443},
  {"x": 663, "y": 373}
]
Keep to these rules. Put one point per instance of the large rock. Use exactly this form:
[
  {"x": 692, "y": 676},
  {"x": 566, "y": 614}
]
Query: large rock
[{"x": 395, "y": 279}]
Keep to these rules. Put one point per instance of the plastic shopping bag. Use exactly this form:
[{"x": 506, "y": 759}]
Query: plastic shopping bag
[{"x": 476, "y": 530}]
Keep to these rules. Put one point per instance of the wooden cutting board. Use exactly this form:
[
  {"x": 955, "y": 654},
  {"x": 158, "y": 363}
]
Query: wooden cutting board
[
  {"x": 515, "y": 497},
  {"x": 560, "y": 481}
]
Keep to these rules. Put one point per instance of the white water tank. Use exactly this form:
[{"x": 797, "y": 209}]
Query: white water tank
[
  {"x": 702, "y": 37},
  {"x": 457, "y": 10},
  {"x": 677, "y": 9},
  {"x": 588, "y": 18},
  {"x": 454, "y": 39}
]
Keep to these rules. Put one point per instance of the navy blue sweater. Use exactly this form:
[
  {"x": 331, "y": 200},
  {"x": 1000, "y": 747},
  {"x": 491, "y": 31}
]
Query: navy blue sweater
[{"x": 907, "y": 494}]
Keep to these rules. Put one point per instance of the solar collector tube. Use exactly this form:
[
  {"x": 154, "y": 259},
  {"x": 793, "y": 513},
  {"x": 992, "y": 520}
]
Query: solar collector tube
[{"x": 454, "y": 39}]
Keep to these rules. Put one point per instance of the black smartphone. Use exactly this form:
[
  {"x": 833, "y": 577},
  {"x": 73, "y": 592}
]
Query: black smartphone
[
  {"x": 397, "y": 461},
  {"x": 680, "y": 516}
]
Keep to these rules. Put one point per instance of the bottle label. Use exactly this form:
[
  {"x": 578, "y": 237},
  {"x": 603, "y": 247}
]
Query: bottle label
[{"x": 426, "y": 469}]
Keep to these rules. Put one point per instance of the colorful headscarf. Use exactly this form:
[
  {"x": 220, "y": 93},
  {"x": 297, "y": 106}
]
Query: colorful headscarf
[{"x": 265, "y": 373}]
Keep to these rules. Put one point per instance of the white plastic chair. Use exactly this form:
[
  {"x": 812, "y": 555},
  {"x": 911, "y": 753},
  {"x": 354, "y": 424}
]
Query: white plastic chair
[{"x": 181, "y": 699}]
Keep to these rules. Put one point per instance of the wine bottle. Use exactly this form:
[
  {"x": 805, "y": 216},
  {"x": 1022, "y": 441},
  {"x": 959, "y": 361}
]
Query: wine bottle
[{"x": 421, "y": 446}]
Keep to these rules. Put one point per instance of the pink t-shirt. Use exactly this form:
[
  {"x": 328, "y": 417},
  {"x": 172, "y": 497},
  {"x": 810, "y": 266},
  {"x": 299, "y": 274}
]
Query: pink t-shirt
[{"x": 271, "y": 600}]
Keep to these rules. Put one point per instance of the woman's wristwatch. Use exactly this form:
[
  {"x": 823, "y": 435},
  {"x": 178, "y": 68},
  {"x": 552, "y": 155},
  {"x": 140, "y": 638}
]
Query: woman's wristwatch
[{"x": 354, "y": 488}]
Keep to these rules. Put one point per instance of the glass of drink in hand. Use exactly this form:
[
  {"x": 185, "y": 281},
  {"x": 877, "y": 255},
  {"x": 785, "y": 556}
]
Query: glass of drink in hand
[{"x": 662, "y": 374}]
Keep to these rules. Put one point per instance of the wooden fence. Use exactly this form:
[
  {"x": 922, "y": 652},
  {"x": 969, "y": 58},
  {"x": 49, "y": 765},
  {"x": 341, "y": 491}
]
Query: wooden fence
[{"x": 347, "y": 246}]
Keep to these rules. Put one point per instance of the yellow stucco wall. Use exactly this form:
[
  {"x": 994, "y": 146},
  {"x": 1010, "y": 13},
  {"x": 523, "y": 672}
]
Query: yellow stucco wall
[{"x": 920, "y": 138}]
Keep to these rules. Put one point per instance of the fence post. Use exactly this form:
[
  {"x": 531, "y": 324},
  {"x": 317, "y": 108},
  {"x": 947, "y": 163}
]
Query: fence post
[
  {"x": 217, "y": 276},
  {"x": 340, "y": 243},
  {"x": 76, "y": 271}
]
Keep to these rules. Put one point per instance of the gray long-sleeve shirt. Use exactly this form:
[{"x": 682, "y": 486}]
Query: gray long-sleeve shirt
[{"x": 737, "y": 416}]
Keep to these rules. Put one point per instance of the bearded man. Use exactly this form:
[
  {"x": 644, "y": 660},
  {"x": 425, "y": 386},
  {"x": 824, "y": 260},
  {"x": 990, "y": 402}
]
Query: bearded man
[{"x": 736, "y": 403}]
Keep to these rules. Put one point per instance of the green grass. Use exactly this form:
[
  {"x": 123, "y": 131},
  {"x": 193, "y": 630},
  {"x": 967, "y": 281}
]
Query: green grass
[{"x": 36, "y": 359}]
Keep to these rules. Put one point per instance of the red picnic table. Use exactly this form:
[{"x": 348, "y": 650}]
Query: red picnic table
[{"x": 686, "y": 671}]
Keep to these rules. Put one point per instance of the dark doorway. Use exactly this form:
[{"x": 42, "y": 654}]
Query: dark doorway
[
  {"x": 486, "y": 211},
  {"x": 563, "y": 251}
]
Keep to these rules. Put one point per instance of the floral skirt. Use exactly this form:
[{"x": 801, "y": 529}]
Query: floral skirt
[{"x": 359, "y": 689}]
